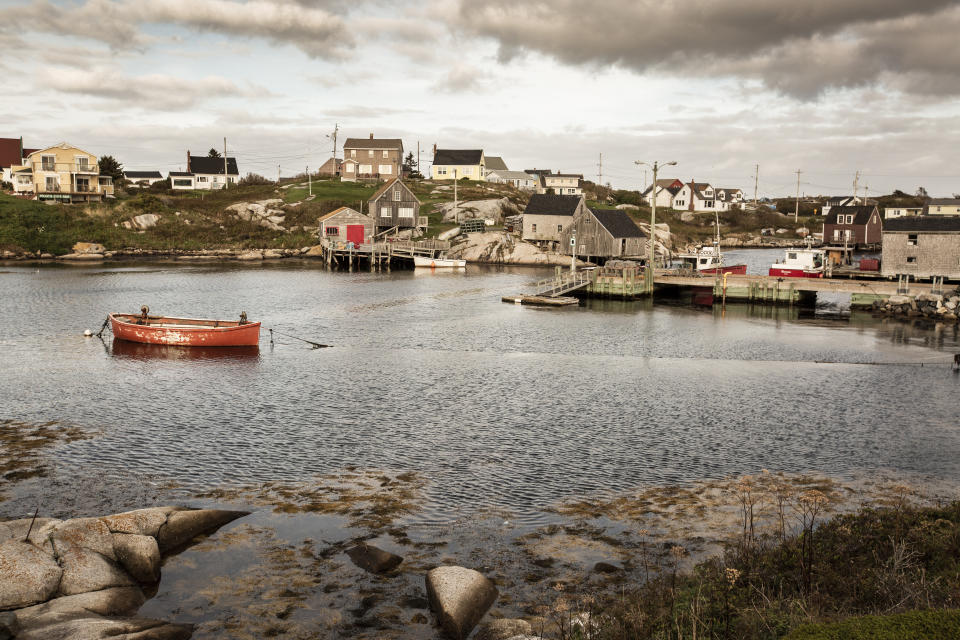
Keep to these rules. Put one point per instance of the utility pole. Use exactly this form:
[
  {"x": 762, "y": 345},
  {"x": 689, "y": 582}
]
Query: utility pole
[
  {"x": 796, "y": 210},
  {"x": 226, "y": 176},
  {"x": 456, "y": 207},
  {"x": 336, "y": 128},
  {"x": 309, "y": 180},
  {"x": 856, "y": 181},
  {"x": 418, "y": 157},
  {"x": 600, "y": 171},
  {"x": 278, "y": 174},
  {"x": 651, "y": 259},
  {"x": 756, "y": 182}
]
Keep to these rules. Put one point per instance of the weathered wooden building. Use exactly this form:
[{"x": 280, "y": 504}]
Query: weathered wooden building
[
  {"x": 853, "y": 225},
  {"x": 395, "y": 206},
  {"x": 922, "y": 246},
  {"x": 547, "y": 215},
  {"x": 346, "y": 225},
  {"x": 601, "y": 234}
]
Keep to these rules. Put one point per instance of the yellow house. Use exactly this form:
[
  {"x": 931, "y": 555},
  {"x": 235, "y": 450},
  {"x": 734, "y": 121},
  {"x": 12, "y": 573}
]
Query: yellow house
[
  {"x": 62, "y": 173},
  {"x": 454, "y": 164}
]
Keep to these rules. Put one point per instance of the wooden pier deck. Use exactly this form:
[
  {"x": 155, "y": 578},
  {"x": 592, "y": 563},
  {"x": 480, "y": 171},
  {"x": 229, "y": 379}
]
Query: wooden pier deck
[{"x": 380, "y": 254}]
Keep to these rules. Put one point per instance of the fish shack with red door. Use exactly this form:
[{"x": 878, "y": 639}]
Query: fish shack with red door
[{"x": 345, "y": 225}]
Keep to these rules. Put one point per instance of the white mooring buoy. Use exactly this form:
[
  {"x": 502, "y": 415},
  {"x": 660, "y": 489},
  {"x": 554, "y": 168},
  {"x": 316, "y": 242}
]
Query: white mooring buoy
[{"x": 87, "y": 333}]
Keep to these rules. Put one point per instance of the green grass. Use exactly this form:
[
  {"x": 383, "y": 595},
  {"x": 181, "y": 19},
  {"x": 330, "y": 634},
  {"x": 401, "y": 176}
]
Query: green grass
[{"x": 926, "y": 625}]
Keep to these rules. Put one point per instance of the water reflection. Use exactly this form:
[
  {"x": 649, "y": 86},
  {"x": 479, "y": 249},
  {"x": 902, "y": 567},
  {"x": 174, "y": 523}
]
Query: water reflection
[{"x": 140, "y": 351}]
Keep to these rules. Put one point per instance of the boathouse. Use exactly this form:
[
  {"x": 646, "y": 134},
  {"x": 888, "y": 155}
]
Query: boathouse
[
  {"x": 922, "y": 246},
  {"x": 346, "y": 225},
  {"x": 547, "y": 215},
  {"x": 601, "y": 234},
  {"x": 394, "y": 207},
  {"x": 853, "y": 225}
]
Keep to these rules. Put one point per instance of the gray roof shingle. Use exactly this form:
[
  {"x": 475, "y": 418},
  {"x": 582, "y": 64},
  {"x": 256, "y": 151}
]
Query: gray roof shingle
[
  {"x": 214, "y": 166},
  {"x": 374, "y": 143},
  {"x": 458, "y": 156},
  {"x": 618, "y": 223},
  {"x": 547, "y": 204},
  {"x": 912, "y": 224},
  {"x": 861, "y": 215}
]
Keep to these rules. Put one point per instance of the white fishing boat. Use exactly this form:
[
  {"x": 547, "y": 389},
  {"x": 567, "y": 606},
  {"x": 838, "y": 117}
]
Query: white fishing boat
[
  {"x": 438, "y": 263},
  {"x": 708, "y": 260}
]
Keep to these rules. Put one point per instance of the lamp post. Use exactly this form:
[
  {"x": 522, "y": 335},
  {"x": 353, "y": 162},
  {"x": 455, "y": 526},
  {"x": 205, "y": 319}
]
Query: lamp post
[{"x": 653, "y": 219}]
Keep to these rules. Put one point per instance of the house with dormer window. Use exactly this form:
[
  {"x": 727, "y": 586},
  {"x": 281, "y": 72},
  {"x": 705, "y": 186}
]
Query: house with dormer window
[
  {"x": 394, "y": 206},
  {"x": 371, "y": 159}
]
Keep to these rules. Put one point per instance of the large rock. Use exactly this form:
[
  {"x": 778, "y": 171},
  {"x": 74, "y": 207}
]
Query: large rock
[
  {"x": 900, "y": 300},
  {"x": 494, "y": 209},
  {"x": 92, "y": 627},
  {"x": 373, "y": 559},
  {"x": 85, "y": 570},
  {"x": 17, "y": 529},
  {"x": 184, "y": 526},
  {"x": 9, "y": 627},
  {"x": 88, "y": 247},
  {"x": 502, "y": 248},
  {"x": 459, "y": 597},
  {"x": 315, "y": 251},
  {"x": 87, "y": 533},
  {"x": 141, "y": 222},
  {"x": 250, "y": 255},
  {"x": 260, "y": 213},
  {"x": 27, "y": 575},
  {"x": 504, "y": 629},
  {"x": 143, "y": 522},
  {"x": 117, "y": 601},
  {"x": 139, "y": 555}
]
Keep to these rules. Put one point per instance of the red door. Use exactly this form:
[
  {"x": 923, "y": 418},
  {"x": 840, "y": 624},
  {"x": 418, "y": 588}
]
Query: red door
[{"x": 355, "y": 233}]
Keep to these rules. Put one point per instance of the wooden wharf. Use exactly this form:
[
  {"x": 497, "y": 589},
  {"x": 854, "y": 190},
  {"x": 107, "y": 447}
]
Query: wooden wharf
[{"x": 380, "y": 255}]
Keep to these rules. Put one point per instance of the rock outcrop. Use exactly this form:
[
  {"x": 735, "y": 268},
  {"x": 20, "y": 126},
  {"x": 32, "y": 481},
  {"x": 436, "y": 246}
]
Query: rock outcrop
[
  {"x": 504, "y": 629},
  {"x": 942, "y": 308},
  {"x": 81, "y": 578},
  {"x": 142, "y": 222},
  {"x": 459, "y": 597},
  {"x": 263, "y": 213},
  {"x": 494, "y": 209},
  {"x": 373, "y": 559},
  {"x": 503, "y": 248}
]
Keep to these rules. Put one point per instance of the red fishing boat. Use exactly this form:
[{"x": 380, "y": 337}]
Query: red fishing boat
[{"x": 184, "y": 332}]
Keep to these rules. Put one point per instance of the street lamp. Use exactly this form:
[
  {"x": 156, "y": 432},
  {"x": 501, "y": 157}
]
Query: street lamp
[{"x": 653, "y": 218}]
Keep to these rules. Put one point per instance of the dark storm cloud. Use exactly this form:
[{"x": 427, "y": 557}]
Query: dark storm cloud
[{"x": 800, "y": 49}]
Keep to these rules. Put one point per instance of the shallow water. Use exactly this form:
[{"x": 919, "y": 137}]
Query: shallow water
[{"x": 497, "y": 405}]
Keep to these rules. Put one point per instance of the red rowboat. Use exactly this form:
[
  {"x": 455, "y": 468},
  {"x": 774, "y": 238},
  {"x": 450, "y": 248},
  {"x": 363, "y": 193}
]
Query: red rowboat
[{"x": 185, "y": 332}]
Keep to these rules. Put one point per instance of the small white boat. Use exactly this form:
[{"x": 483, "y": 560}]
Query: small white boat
[{"x": 438, "y": 263}]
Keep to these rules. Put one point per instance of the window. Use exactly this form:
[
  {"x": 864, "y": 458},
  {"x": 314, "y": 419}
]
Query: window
[
  {"x": 83, "y": 163},
  {"x": 365, "y": 168},
  {"x": 349, "y": 168},
  {"x": 703, "y": 261},
  {"x": 533, "y": 227},
  {"x": 912, "y": 240},
  {"x": 397, "y": 195},
  {"x": 386, "y": 168},
  {"x": 353, "y": 153},
  {"x": 201, "y": 178},
  {"x": 791, "y": 256},
  {"x": 559, "y": 228},
  {"x": 332, "y": 231},
  {"x": 405, "y": 212},
  {"x": 53, "y": 183},
  {"x": 441, "y": 171},
  {"x": 836, "y": 234},
  {"x": 385, "y": 153},
  {"x": 105, "y": 181},
  {"x": 386, "y": 211},
  {"x": 911, "y": 259},
  {"x": 23, "y": 179},
  {"x": 48, "y": 163},
  {"x": 571, "y": 190},
  {"x": 468, "y": 171},
  {"x": 370, "y": 153},
  {"x": 83, "y": 185},
  {"x": 231, "y": 179},
  {"x": 182, "y": 182}
]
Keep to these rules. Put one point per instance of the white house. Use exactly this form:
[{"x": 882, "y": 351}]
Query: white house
[
  {"x": 666, "y": 190},
  {"x": 695, "y": 196},
  {"x": 899, "y": 212},
  {"x": 142, "y": 178},
  {"x": 212, "y": 173},
  {"x": 726, "y": 198},
  {"x": 518, "y": 179}
]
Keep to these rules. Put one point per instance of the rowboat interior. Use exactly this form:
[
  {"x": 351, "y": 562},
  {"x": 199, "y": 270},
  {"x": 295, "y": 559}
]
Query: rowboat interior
[{"x": 177, "y": 323}]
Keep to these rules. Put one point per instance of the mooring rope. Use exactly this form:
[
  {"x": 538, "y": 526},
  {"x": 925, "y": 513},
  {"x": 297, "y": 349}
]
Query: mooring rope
[{"x": 315, "y": 345}]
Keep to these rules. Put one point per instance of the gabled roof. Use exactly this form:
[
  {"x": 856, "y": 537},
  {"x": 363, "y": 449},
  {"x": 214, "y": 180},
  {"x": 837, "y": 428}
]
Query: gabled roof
[
  {"x": 511, "y": 175},
  {"x": 945, "y": 201},
  {"x": 458, "y": 156},
  {"x": 836, "y": 201},
  {"x": 338, "y": 211},
  {"x": 214, "y": 166},
  {"x": 374, "y": 143},
  {"x": 547, "y": 204},
  {"x": 698, "y": 188},
  {"x": 494, "y": 163},
  {"x": 947, "y": 224},
  {"x": 142, "y": 175},
  {"x": 618, "y": 223},
  {"x": 386, "y": 186},
  {"x": 670, "y": 184},
  {"x": 861, "y": 215},
  {"x": 180, "y": 174},
  {"x": 62, "y": 146}
]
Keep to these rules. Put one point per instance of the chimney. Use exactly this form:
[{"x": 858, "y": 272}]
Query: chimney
[
  {"x": 434, "y": 148},
  {"x": 371, "y": 136},
  {"x": 188, "y": 160}
]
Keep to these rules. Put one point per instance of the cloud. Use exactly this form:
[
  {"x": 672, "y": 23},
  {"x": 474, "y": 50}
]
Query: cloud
[
  {"x": 462, "y": 78},
  {"x": 156, "y": 92},
  {"x": 118, "y": 23},
  {"x": 801, "y": 49}
]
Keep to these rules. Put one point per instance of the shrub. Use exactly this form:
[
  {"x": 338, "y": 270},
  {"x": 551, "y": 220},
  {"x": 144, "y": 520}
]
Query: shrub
[{"x": 930, "y": 625}]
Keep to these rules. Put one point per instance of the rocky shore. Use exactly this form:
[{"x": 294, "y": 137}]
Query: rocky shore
[{"x": 942, "y": 308}]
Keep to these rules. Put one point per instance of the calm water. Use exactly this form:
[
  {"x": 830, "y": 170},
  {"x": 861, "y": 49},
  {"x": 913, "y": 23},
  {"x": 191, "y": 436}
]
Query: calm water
[{"x": 497, "y": 404}]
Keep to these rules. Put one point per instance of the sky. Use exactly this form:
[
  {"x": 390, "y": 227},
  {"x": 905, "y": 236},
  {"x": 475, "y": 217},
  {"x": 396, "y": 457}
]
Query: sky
[{"x": 826, "y": 87}]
